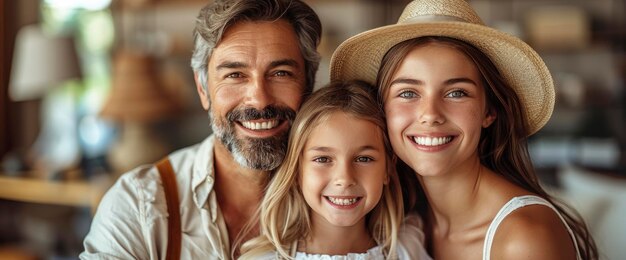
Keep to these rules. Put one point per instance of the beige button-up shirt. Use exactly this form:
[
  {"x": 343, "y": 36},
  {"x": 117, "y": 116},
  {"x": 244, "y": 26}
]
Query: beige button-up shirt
[{"x": 131, "y": 220}]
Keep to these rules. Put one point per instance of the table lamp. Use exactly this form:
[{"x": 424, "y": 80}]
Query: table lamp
[
  {"x": 137, "y": 99},
  {"x": 41, "y": 62}
]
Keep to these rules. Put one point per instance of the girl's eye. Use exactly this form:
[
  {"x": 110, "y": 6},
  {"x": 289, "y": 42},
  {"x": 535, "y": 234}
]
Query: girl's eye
[
  {"x": 321, "y": 159},
  {"x": 407, "y": 94},
  {"x": 364, "y": 159},
  {"x": 457, "y": 93}
]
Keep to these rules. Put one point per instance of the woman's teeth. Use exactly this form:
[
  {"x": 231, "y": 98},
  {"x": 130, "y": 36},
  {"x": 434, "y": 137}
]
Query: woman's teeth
[{"x": 432, "y": 141}]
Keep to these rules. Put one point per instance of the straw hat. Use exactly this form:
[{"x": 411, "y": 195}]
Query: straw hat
[{"x": 359, "y": 57}]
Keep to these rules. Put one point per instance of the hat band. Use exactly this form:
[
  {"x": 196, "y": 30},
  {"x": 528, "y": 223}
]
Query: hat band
[{"x": 432, "y": 18}]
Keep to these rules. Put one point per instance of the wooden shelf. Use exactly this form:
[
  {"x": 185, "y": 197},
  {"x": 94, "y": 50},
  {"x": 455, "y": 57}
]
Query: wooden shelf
[{"x": 66, "y": 193}]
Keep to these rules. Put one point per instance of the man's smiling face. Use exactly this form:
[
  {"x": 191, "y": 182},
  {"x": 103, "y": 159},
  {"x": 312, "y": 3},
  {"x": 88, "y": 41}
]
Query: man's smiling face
[{"x": 255, "y": 86}]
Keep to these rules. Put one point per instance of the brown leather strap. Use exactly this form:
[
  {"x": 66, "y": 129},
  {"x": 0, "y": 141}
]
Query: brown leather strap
[{"x": 168, "y": 177}]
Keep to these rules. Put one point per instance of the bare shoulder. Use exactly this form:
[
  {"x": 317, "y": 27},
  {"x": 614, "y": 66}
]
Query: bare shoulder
[{"x": 533, "y": 232}]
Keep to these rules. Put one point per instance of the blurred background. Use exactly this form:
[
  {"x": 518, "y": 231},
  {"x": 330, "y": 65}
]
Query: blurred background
[{"x": 91, "y": 89}]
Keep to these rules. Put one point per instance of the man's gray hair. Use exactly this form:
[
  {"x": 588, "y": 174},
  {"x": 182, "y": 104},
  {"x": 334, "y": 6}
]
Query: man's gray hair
[{"x": 214, "y": 19}]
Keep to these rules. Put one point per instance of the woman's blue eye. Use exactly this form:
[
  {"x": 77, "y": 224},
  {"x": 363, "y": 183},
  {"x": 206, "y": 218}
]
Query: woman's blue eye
[
  {"x": 457, "y": 94},
  {"x": 407, "y": 94},
  {"x": 364, "y": 159}
]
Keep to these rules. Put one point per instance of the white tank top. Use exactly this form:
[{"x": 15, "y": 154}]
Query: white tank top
[{"x": 513, "y": 204}]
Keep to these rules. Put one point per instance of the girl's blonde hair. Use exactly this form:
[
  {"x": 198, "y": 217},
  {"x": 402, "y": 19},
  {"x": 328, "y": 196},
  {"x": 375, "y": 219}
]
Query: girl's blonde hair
[
  {"x": 503, "y": 146},
  {"x": 284, "y": 215}
]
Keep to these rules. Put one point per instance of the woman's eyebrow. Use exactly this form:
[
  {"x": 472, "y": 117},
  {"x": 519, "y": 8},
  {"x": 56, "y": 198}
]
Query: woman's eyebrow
[
  {"x": 460, "y": 80},
  {"x": 407, "y": 81}
]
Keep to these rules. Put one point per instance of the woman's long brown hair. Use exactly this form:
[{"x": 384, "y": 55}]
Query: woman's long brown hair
[{"x": 503, "y": 146}]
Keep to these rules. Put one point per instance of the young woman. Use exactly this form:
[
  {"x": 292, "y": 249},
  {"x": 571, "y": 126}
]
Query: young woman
[
  {"x": 461, "y": 100},
  {"x": 336, "y": 195}
]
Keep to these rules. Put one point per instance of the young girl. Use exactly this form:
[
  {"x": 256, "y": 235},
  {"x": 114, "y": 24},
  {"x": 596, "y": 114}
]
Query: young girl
[
  {"x": 461, "y": 100},
  {"x": 336, "y": 195}
]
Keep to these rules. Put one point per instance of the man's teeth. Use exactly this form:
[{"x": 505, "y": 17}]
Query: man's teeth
[
  {"x": 432, "y": 141},
  {"x": 260, "y": 125},
  {"x": 343, "y": 202}
]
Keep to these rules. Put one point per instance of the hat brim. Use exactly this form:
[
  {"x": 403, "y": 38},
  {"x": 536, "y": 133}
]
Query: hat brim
[{"x": 360, "y": 56}]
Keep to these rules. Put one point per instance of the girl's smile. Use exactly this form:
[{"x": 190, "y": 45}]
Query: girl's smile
[{"x": 343, "y": 202}]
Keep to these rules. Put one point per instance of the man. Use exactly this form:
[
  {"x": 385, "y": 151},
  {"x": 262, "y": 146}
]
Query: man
[{"x": 254, "y": 62}]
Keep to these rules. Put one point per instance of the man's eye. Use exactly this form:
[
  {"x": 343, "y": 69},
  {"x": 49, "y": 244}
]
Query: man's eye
[
  {"x": 407, "y": 94},
  {"x": 282, "y": 73},
  {"x": 321, "y": 159},
  {"x": 364, "y": 159},
  {"x": 234, "y": 75}
]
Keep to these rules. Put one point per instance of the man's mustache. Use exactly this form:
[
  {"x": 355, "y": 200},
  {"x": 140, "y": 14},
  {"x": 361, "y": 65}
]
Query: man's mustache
[{"x": 269, "y": 112}]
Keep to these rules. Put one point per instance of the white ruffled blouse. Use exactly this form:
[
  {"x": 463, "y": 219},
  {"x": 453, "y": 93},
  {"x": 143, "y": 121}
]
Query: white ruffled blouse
[{"x": 373, "y": 253}]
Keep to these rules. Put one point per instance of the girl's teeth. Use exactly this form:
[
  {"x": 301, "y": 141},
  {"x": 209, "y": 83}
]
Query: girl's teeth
[
  {"x": 342, "y": 202},
  {"x": 432, "y": 141}
]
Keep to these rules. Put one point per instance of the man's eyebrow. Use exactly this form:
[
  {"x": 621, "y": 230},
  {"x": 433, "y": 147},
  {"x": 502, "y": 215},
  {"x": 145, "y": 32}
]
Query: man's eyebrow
[
  {"x": 231, "y": 65},
  {"x": 284, "y": 62}
]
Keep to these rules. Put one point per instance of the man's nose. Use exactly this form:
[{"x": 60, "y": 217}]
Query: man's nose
[{"x": 258, "y": 94}]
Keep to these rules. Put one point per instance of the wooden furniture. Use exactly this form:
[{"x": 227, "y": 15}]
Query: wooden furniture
[{"x": 66, "y": 193}]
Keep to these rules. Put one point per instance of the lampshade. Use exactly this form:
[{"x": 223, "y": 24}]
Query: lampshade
[
  {"x": 41, "y": 62},
  {"x": 137, "y": 93}
]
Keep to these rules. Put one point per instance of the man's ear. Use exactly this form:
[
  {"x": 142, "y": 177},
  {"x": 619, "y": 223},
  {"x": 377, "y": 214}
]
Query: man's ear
[
  {"x": 204, "y": 98},
  {"x": 489, "y": 117}
]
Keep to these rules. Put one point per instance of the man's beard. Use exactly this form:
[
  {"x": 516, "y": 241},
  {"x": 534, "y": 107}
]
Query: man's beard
[{"x": 256, "y": 153}]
